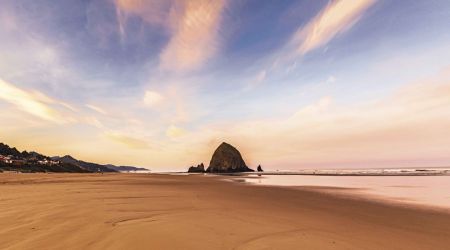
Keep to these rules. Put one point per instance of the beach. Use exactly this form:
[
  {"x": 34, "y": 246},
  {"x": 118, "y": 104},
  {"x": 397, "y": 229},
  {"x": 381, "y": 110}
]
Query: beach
[{"x": 157, "y": 211}]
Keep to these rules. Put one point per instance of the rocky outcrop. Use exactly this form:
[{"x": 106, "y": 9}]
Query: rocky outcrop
[
  {"x": 259, "y": 169},
  {"x": 199, "y": 169},
  {"x": 93, "y": 167},
  {"x": 227, "y": 159},
  {"x": 32, "y": 162}
]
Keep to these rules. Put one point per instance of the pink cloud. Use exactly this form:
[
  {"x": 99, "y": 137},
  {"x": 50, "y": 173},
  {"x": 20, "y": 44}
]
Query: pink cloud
[
  {"x": 193, "y": 27},
  {"x": 335, "y": 19}
]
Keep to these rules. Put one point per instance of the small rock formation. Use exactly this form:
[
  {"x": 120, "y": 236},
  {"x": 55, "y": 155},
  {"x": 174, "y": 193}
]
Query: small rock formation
[
  {"x": 227, "y": 159},
  {"x": 199, "y": 169},
  {"x": 259, "y": 169}
]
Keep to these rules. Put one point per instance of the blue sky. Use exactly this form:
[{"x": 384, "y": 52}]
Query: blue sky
[{"x": 293, "y": 84}]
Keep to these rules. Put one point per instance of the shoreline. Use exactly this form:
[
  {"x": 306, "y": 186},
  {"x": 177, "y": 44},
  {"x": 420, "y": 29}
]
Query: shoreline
[
  {"x": 141, "y": 211},
  {"x": 341, "y": 192},
  {"x": 362, "y": 192},
  {"x": 354, "y": 194},
  {"x": 417, "y": 173}
]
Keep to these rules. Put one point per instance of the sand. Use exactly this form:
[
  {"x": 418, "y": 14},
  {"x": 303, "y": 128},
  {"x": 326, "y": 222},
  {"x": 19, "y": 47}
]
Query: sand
[{"x": 142, "y": 211}]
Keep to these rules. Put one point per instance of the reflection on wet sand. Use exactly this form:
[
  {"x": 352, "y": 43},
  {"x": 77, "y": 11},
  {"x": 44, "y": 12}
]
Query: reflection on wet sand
[{"x": 418, "y": 190}]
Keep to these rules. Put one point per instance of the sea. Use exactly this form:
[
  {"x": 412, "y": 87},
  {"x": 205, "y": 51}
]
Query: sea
[{"x": 430, "y": 188}]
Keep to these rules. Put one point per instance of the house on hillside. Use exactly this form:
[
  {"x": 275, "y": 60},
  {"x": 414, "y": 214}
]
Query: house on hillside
[
  {"x": 32, "y": 160},
  {"x": 48, "y": 162},
  {"x": 18, "y": 162},
  {"x": 44, "y": 162},
  {"x": 5, "y": 159}
]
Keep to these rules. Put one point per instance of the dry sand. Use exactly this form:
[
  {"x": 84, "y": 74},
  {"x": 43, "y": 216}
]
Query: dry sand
[{"x": 141, "y": 211}]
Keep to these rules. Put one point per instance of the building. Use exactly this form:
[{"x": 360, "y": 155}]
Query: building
[
  {"x": 18, "y": 162},
  {"x": 48, "y": 162},
  {"x": 5, "y": 159}
]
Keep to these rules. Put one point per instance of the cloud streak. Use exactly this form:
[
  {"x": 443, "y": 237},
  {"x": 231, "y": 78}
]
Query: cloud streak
[
  {"x": 195, "y": 35},
  {"x": 193, "y": 27},
  {"x": 336, "y": 18},
  {"x": 96, "y": 109},
  {"x": 34, "y": 103},
  {"x": 151, "y": 11},
  {"x": 129, "y": 141}
]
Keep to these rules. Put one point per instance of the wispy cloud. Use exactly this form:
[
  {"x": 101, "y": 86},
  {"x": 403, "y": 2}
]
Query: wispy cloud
[
  {"x": 193, "y": 27},
  {"x": 127, "y": 140},
  {"x": 96, "y": 109},
  {"x": 336, "y": 18},
  {"x": 154, "y": 12},
  {"x": 34, "y": 103},
  {"x": 151, "y": 11},
  {"x": 30, "y": 55},
  {"x": 195, "y": 35}
]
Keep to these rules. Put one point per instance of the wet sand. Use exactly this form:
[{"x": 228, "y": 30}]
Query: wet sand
[{"x": 142, "y": 211}]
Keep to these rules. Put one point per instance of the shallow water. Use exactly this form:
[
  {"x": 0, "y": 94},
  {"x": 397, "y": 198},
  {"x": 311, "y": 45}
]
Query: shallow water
[{"x": 419, "y": 190}]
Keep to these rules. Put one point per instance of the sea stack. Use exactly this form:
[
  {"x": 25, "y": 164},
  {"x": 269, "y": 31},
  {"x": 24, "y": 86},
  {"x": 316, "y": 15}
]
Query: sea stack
[
  {"x": 199, "y": 169},
  {"x": 259, "y": 169},
  {"x": 227, "y": 159}
]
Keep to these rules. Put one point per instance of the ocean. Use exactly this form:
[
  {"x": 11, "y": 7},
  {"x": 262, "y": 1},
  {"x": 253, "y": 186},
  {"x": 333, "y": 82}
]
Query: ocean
[{"x": 431, "y": 191}]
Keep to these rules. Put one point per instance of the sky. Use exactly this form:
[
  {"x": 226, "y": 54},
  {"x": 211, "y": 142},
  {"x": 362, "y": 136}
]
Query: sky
[{"x": 293, "y": 84}]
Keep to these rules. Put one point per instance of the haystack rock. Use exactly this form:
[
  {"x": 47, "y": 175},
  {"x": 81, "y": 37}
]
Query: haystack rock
[
  {"x": 227, "y": 159},
  {"x": 199, "y": 169}
]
